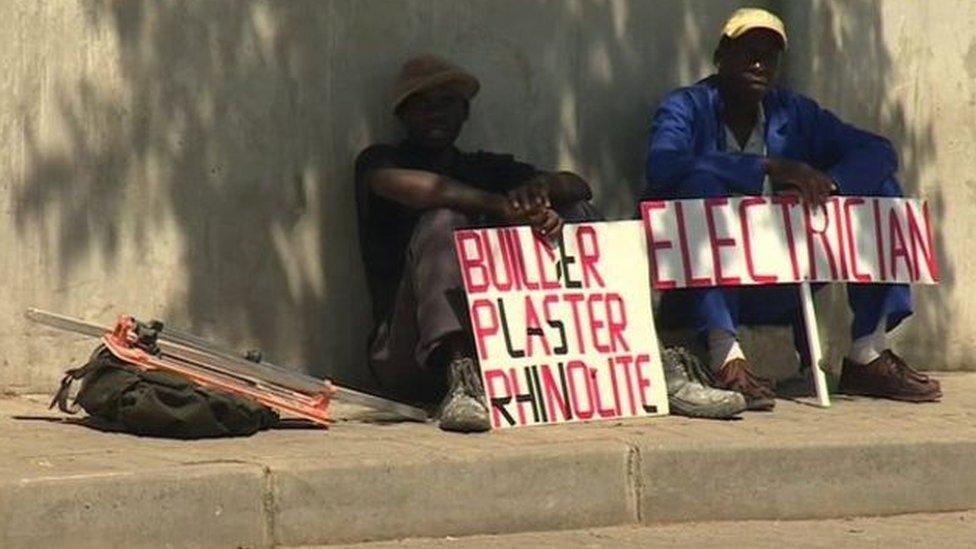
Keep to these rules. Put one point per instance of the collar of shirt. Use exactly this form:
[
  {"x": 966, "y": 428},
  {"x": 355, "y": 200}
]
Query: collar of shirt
[{"x": 756, "y": 144}]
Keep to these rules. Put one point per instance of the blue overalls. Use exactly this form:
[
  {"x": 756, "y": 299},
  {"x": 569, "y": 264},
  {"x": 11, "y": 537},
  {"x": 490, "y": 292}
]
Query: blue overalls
[{"x": 687, "y": 159}]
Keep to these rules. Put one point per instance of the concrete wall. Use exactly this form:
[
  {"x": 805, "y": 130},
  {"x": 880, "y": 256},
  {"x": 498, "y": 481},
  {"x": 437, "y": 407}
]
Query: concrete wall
[
  {"x": 907, "y": 70},
  {"x": 192, "y": 160}
]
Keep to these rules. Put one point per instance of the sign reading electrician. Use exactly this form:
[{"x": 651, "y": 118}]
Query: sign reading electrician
[
  {"x": 779, "y": 239},
  {"x": 563, "y": 330}
]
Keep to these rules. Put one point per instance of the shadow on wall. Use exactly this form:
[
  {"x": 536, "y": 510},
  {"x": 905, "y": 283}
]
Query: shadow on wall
[
  {"x": 223, "y": 132},
  {"x": 578, "y": 91},
  {"x": 838, "y": 56},
  {"x": 236, "y": 125}
]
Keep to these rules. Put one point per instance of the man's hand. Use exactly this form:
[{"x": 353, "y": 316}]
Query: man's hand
[
  {"x": 812, "y": 184},
  {"x": 548, "y": 222},
  {"x": 549, "y": 189},
  {"x": 532, "y": 195},
  {"x": 544, "y": 220}
]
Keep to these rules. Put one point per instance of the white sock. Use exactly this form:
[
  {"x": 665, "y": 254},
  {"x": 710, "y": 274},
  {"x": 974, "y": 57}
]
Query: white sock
[
  {"x": 867, "y": 348},
  {"x": 723, "y": 346}
]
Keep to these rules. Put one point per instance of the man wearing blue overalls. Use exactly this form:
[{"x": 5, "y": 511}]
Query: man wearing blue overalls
[{"x": 733, "y": 133}]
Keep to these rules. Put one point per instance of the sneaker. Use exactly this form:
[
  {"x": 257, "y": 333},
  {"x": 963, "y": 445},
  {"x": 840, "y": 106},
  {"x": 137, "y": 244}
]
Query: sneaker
[
  {"x": 735, "y": 375},
  {"x": 688, "y": 396},
  {"x": 463, "y": 409},
  {"x": 888, "y": 376}
]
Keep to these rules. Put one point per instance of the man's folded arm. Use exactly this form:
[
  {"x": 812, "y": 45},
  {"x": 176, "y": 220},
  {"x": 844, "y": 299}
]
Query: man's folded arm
[
  {"x": 424, "y": 190},
  {"x": 671, "y": 157},
  {"x": 858, "y": 161},
  {"x": 565, "y": 187}
]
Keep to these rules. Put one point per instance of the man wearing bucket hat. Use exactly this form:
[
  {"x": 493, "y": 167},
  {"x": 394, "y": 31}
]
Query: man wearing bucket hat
[
  {"x": 411, "y": 196},
  {"x": 734, "y": 133}
]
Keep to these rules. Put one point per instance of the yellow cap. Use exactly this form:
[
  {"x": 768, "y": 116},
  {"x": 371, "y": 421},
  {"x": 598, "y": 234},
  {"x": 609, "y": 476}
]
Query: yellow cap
[{"x": 744, "y": 20}]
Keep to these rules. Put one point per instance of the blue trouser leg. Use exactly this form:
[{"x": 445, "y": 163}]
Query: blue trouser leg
[
  {"x": 725, "y": 308},
  {"x": 872, "y": 303},
  {"x": 703, "y": 308}
]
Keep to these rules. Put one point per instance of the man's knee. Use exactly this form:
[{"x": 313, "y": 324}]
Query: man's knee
[
  {"x": 890, "y": 188},
  {"x": 441, "y": 221},
  {"x": 435, "y": 230},
  {"x": 579, "y": 212}
]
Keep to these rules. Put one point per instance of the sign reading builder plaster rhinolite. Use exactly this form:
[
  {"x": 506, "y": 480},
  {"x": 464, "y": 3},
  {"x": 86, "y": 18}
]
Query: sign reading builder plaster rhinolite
[{"x": 563, "y": 330}]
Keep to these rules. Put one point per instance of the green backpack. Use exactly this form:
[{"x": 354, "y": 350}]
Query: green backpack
[{"x": 121, "y": 397}]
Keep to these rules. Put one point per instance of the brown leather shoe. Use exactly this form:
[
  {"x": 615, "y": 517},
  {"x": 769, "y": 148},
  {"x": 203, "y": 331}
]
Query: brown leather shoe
[
  {"x": 888, "y": 376},
  {"x": 735, "y": 375}
]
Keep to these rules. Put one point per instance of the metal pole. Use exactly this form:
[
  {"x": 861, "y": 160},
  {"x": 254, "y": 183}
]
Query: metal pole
[{"x": 813, "y": 345}]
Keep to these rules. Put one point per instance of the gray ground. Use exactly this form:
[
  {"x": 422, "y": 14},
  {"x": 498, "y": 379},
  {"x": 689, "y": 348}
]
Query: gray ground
[{"x": 943, "y": 530}]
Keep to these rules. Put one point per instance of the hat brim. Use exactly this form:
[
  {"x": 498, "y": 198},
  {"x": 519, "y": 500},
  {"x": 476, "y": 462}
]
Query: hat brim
[
  {"x": 463, "y": 83},
  {"x": 759, "y": 26}
]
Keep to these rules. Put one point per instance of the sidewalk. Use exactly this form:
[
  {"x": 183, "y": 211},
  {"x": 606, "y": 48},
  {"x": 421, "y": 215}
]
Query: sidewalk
[
  {"x": 61, "y": 483},
  {"x": 946, "y": 530}
]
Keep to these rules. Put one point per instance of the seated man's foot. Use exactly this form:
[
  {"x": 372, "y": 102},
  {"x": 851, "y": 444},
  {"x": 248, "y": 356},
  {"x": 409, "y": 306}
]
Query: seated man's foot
[
  {"x": 888, "y": 376},
  {"x": 689, "y": 397},
  {"x": 735, "y": 375},
  {"x": 463, "y": 409}
]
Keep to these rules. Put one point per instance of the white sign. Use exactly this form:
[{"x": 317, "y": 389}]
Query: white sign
[
  {"x": 780, "y": 239},
  {"x": 563, "y": 330}
]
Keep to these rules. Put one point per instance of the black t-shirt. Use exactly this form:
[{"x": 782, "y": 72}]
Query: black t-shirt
[{"x": 385, "y": 226}]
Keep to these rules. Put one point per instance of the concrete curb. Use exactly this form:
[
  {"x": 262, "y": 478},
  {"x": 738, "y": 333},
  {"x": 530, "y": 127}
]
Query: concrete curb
[
  {"x": 211, "y": 505},
  {"x": 579, "y": 486},
  {"x": 538, "y": 489},
  {"x": 63, "y": 484},
  {"x": 807, "y": 482}
]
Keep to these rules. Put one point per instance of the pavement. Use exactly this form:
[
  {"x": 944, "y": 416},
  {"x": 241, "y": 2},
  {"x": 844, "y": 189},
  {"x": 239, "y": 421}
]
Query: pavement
[
  {"x": 945, "y": 530},
  {"x": 370, "y": 479}
]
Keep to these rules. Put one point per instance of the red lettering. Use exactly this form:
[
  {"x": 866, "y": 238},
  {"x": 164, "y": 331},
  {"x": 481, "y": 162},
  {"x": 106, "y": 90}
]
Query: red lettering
[
  {"x": 898, "y": 248},
  {"x": 921, "y": 242},
  {"x": 515, "y": 251},
  {"x": 481, "y": 328},
  {"x": 574, "y": 370},
  {"x": 690, "y": 280},
  {"x": 744, "y": 206},
  {"x": 542, "y": 245},
  {"x": 825, "y": 244},
  {"x": 717, "y": 242},
  {"x": 616, "y": 323},
  {"x": 595, "y": 324},
  {"x": 786, "y": 201},
  {"x": 613, "y": 383},
  {"x": 625, "y": 361},
  {"x": 500, "y": 283},
  {"x": 644, "y": 383},
  {"x": 588, "y": 255},
  {"x": 851, "y": 244},
  {"x": 654, "y": 245},
  {"x": 879, "y": 239},
  {"x": 472, "y": 261},
  {"x": 840, "y": 236}
]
